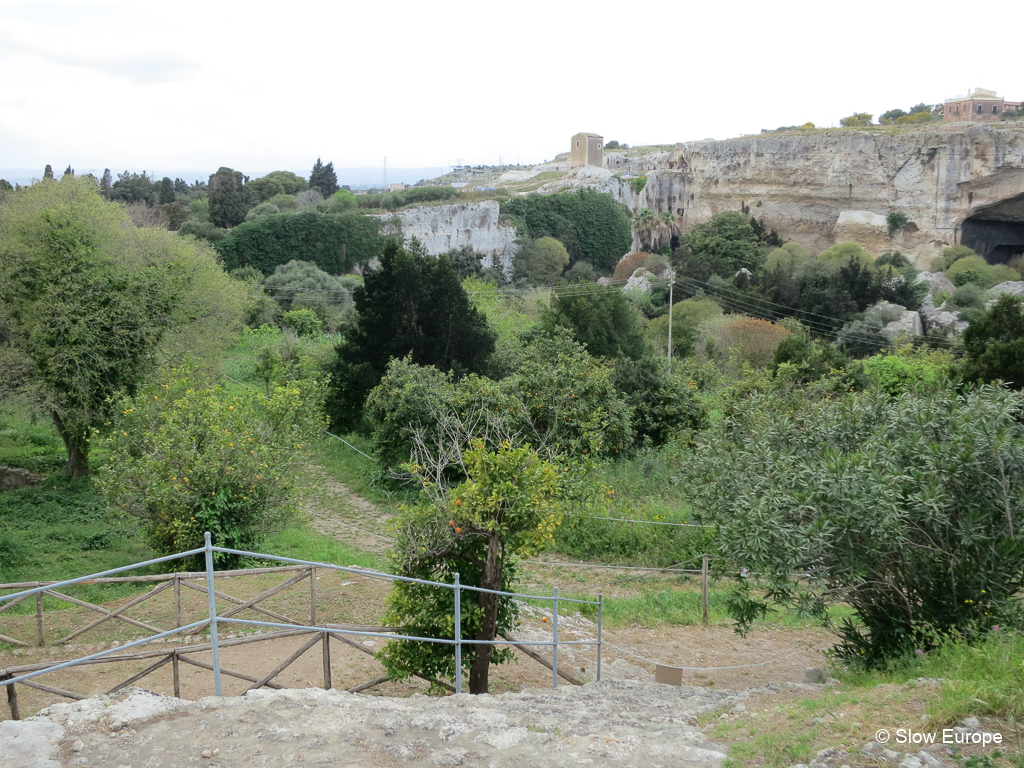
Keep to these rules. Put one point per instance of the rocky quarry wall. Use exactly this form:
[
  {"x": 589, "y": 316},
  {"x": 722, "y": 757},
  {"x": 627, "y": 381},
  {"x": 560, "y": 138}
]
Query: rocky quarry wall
[
  {"x": 444, "y": 227},
  {"x": 956, "y": 184}
]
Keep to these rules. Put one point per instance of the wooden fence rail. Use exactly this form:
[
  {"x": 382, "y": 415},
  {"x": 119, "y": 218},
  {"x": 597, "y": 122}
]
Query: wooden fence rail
[
  {"x": 170, "y": 580},
  {"x": 321, "y": 633}
]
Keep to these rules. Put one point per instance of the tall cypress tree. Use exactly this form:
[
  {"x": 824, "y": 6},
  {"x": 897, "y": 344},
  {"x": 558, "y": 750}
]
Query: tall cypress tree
[
  {"x": 228, "y": 198},
  {"x": 48, "y": 172},
  {"x": 105, "y": 183},
  {"x": 324, "y": 178},
  {"x": 410, "y": 305},
  {"x": 167, "y": 191}
]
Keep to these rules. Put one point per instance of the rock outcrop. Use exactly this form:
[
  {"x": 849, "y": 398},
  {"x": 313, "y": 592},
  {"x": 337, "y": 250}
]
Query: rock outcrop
[
  {"x": 13, "y": 477},
  {"x": 951, "y": 181},
  {"x": 443, "y": 227},
  {"x": 611, "y": 723}
]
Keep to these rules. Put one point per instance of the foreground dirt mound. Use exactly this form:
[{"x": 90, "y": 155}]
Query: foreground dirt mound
[{"x": 611, "y": 723}]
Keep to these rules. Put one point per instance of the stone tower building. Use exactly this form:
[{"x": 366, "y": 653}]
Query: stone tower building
[{"x": 587, "y": 149}]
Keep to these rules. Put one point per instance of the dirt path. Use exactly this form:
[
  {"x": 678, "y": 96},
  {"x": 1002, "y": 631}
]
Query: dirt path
[{"x": 336, "y": 511}]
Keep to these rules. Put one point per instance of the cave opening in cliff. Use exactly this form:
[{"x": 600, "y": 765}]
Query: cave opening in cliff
[{"x": 997, "y": 231}]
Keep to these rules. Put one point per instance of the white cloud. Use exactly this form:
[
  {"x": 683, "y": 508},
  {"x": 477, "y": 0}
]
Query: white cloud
[{"x": 204, "y": 84}]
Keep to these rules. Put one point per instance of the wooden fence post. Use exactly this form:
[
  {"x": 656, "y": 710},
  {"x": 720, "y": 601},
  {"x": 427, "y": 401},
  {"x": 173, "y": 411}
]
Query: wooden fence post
[
  {"x": 175, "y": 673},
  {"x": 177, "y": 601},
  {"x": 39, "y": 618},
  {"x": 12, "y": 699},
  {"x": 326, "y": 640},
  {"x": 312, "y": 597},
  {"x": 704, "y": 587}
]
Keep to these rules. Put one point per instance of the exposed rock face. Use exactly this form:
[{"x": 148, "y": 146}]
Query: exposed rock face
[
  {"x": 823, "y": 187},
  {"x": 1014, "y": 287},
  {"x": 908, "y": 322},
  {"x": 611, "y": 723},
  {"x": 11, "y": 478},
  {"x": 939, "y": 282},
  {"x": 443, "y": 227}
]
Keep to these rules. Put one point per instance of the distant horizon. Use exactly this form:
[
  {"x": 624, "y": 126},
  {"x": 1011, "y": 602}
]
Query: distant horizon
[{"x": 353, "y": 177}]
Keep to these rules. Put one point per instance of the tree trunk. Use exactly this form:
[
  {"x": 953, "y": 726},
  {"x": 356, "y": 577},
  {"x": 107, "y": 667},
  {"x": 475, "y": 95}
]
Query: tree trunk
[
  {"x": 478, "y": 673},
  {"x": 77, "y": 448}
]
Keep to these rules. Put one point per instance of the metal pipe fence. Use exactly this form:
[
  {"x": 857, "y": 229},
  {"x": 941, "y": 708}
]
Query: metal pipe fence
[{"x": 25, "y": 675}]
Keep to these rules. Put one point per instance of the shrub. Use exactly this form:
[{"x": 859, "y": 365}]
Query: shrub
[
  {"x": 995, "y": 344},
  {"x": 629, "y": 264},
  {"x": 602, "y": 319},
  {"x": 188, "y": 456},
  {"x": 903, "y": 508},
  {"x": 895, "y": 221},
  {"x": 304, "y": 322},
  {"x": 970, "y": 269},
  {"x": 750, "y": 339},
  {"x": 665, "y": 407},
  {"x": 263, "y": 209},
  {"x": 303, "y": 278},
  {"x": 968, "y": 295}
]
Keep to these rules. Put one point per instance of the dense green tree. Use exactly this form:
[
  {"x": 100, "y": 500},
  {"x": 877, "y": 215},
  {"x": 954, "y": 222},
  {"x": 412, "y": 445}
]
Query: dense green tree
[
  {"x": 230, "y": 199},
  {"x": 409, "y": 305},
  {"x": 263, "y": 209},
  {"x": 5, "y": 186},
  {"x": 324, "y": 179},
  {"x": 466, "y": 261},
  {"x": 687, "y": 317},
  {"x": 905, "y": 509},
  {"x": 601, "y": 319},
  {"x": 278, "y": 183},
  {"x": 591, "y": 225},
  {"x": 188, "y": 455},
  {"x": 202, "y": 230},
  {"x": 891, "y": 116},
  {"x": 334, "y": 243},
  {"x": 995, "y": 344},
  {"x": 87, "y": 300},
  {"x": 722, "y": 246},
  {"x": 166, "y": 194},
  {"x": 343, "y": 201},
  {"x": 664, "y": 406},
  {"x": 133, "y": 188},
  {"x": 507, "y": 508},
  {"x": 48, "y": 172},
  {"x": 570, "y": 406},
  {"x": 540, "y": 262},
  {"x": 298, "y": 278}
]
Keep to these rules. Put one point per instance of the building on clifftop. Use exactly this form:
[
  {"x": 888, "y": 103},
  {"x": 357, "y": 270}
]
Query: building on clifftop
[
  {"x": 587, "y": 149},
  {"x": 979, "y": 105}
]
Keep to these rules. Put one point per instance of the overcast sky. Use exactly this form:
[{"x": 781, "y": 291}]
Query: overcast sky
[{"x": 264, "y": 86}]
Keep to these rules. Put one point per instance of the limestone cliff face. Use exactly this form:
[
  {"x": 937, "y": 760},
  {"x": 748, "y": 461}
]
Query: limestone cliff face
[
  {"x": 443, "y": 227},
  {"x": 823, "y": 187}
]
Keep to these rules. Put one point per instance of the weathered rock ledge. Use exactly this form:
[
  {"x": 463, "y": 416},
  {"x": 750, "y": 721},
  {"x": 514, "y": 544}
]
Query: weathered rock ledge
[{"x": 610, "y": 723}]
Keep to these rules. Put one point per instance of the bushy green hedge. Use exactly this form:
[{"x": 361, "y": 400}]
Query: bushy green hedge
[
  {"x": 392, "y": 201},
  {"x": 273, "y": 240},
  {"x": 591, "y": 225}
]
